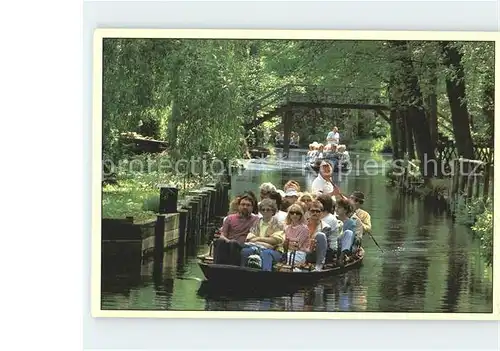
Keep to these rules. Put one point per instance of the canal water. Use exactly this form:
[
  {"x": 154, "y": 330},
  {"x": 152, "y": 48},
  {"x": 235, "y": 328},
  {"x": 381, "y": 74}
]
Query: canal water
[{"x": 429, "y": 263}]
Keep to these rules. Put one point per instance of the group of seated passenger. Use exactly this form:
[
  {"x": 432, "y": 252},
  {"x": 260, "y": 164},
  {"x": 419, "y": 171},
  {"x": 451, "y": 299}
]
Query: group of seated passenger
[
  {"x": 290, "y": 226},
  {"x": 337, "y": 154}
]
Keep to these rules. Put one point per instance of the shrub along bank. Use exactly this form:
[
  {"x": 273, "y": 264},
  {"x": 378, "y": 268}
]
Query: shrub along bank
[{"x": 135, "y": 192}]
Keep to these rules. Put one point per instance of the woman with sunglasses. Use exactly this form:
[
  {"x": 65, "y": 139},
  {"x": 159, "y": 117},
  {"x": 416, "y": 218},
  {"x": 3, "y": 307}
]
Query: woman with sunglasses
[{"x": 296, "y": 234}]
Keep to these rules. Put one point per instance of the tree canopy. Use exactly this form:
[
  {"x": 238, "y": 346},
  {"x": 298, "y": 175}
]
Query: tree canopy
[{"x": 197, "y": 93}]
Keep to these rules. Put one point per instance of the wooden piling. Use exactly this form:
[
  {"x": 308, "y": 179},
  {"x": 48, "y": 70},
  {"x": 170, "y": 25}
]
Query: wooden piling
[
  {"x": 189, "y": 221},
  {"x": 119, "y": 238},
  {"x": 168, "y": 200},
  {"x": 211, "y": 188},
  {"x": 210, "y": 199},
  {"x": 175, "y": 224},
  {"x": 159, "y": 237},
  {"x": 195, "y": 219},
  {"x": 183, "y": 222}
]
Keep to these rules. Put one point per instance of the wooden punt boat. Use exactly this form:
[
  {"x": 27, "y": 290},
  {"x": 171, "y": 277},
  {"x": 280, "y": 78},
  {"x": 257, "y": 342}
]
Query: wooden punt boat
[{"x": 283, "y": 277}]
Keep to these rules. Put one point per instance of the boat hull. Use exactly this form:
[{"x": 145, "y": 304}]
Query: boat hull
[{"x": 249, "y": 278}]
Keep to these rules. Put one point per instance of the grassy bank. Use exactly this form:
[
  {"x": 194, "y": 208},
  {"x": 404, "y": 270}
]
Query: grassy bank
[{"x": 136, "y": 192}]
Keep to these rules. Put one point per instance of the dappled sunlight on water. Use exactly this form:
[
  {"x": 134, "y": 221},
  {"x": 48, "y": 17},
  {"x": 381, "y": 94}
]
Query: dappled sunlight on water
[{"x": 429, "y": 264}]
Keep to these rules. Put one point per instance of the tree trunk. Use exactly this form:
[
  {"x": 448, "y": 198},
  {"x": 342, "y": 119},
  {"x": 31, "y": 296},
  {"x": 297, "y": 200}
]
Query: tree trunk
[
  {"x": 394, "y": 115},
  {"x": 173, "y": 122},
  {"x": 455, "y": 87},
  {"x": 246, "y": 149},
  {"x": 403, "y": 145},
  {"x": 253, "y": 55},
  {"x": 172, "y": 125},
  {"x": 397, "y": 97},
  {"x": 416, "y": 114},
  {"x": 396, "y": 151},
  {"x": 254, "y": 50},
  {"x": 489, "y": 108},
  {"x": 410, "y": 140},
  {"x": 431, "y": 102}
]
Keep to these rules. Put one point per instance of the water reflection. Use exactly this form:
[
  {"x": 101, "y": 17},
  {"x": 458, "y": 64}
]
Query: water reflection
[
  {"x": 415, "y": 277},
  {"x": 457, "y": 265},
  {"x": 429, "y": 264},
  {"x": 344, "y": 293}
]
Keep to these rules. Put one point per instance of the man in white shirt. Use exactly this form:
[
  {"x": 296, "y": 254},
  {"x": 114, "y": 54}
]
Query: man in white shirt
[
  {"x": 323, "y": 183},
  {"x": 333, "y": 136}
]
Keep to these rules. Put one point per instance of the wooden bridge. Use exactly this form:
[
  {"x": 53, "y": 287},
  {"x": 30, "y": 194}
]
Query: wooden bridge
[{"x": 283, "y": 100}]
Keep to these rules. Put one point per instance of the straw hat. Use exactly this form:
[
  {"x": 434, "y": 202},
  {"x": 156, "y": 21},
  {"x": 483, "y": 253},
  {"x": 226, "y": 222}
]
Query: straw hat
[{"x": 358, "y": 196}]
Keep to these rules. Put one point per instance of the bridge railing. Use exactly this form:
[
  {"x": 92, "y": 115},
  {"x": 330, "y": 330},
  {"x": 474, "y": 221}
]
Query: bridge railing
[
  {"x": 336, "y": 94},
  {"x": 320, "y": 93},
  {"x": 311, "y": 93},
  {"x": 270, "y": 101}
]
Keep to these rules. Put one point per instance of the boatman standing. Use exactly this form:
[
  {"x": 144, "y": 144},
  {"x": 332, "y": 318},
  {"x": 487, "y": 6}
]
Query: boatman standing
[
  {"x": 323, "y": 185},
  {"x": 333, "y": 136}
]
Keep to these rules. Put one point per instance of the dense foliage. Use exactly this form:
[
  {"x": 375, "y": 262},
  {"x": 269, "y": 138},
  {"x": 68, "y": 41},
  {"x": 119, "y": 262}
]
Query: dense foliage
[
  {"x": 197, "y": 95},
  {"x": 478, "y": 215},
  {"x": 177, "y": 87}
]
